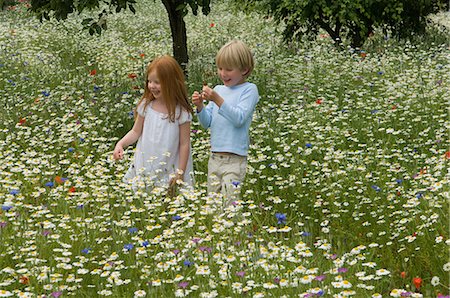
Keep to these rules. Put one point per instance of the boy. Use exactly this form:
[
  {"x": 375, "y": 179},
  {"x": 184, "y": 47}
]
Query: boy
[{"x": 228, "y": 114}]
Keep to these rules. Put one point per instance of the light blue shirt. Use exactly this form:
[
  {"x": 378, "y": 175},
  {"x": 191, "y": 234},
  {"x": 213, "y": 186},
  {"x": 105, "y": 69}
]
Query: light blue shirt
[{"x": 230, "y": 123}]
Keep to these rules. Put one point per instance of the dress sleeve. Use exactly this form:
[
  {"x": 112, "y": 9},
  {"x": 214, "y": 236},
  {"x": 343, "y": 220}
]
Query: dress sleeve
[
  {"x": 184, "y": 117},
  {"x": 141, "y": 109}
]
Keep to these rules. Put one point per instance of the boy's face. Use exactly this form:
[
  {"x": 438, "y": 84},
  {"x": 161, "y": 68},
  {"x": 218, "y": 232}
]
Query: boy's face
[{"x": 231, "y": 76}]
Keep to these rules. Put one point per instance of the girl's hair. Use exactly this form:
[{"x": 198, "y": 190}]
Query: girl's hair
[
  {"x": 173, "y": 87},
  {"x": 235, "y": 54}
]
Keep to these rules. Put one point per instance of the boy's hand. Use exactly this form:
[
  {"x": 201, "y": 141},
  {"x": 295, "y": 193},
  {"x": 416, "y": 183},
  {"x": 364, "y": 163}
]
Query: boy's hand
[
  {"x": 118, "y": 152},
  {"x": 197, "y": 100},
  {"x": 208, "y": 93}
]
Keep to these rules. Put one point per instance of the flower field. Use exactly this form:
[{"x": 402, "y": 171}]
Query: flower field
[{"x": 347, "y": 189}]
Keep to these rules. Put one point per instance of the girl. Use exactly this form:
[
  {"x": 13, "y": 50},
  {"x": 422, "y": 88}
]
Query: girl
[{"x": 161, "y": 127}]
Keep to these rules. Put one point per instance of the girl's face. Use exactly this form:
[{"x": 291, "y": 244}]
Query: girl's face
[
  {"x": 231, "y": 76},
  {"x": 153, "y": 85}
]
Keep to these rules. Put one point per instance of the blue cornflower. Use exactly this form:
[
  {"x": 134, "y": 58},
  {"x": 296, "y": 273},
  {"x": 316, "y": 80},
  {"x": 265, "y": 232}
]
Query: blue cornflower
[
  {"x": 281, "y": 217},
  {"x": 176, "y": 217},
  {"x": 187, "y": 263},
  {"x": 45, "y": 93},
  {"x": 71, "y": 149},
  {"x": 49, "y": 184},
  {"x": 145, "y": 243},
  {"x": 399, "y": 181},
  {"x": 6, "y": 207},
  {"x": 236, "y": 183},
  {"x": 380, "y": 73},
  {"x": 97, "y": 88},
  {"x": 419, "y": 195},
  {"x": 132, "y": 230},
  {"x": 128, "y": 246},
  {"x": 14, "y": 192},
  {"x": 86, "y": 250},
  {"x": 376, "y": 188},
  {"x": 130, "y": 114},
  {"x": 308, "y": 145},
  {"x": 305, "y": 234}
]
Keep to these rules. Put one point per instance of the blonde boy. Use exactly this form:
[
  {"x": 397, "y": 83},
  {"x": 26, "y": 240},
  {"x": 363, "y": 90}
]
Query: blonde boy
[{"x": 228, "y": 114}]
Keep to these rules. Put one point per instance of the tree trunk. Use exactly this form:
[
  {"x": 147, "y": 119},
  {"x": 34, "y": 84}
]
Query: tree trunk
[{"x": 178, "y": 29}]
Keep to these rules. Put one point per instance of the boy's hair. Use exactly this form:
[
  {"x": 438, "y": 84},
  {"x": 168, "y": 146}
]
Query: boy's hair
[
  {"x": 173, "y": 86},
  {"x": 235, "y": 54}
]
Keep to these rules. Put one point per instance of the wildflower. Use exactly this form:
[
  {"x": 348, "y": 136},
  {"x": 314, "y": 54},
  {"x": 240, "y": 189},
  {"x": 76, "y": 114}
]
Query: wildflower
[
  {"x": 376, "y": 188},
  {"x": 417, "y": 281},
  {"x": 211, "y": 25},
  {"x": 435, "y": 281},
  {"x": 93, "y": 72},
  {"x": 132, "y": 76},
  {"x": 145, "y": 243},
  {"x": 24, "y": 280},
  {"x": 403, "y": 274},
  {"x": 320, "y": 277},
  {"x": 71, "y": 149},
  {"x": 187, "y": 263},
  {"x": 49, "y": 184},
  {"x": 60, "y": 180},
  {"x": 446, "y": 267},
  {"x": 56, "y": 294},
  {"x": 4, "y": 293},
  {"x": 128, "y": 247},
  {"x": 281, "y": 217},
  {"x": 132, "y": 230},
  {"x": 86, "y": 250},
  {"x": 72, "y": 189},
  {"x": 183, "y": 284},
  {"x": 240, "y": 273},
  {"x": 6, "y": 207},
  {"x": 14, "y": 192},
  {"x": 176, "y": 217},
  {"x": 308, "y": 145},
  {"x": 140, "y": 293},
  {"x": 45, "y": 93}
]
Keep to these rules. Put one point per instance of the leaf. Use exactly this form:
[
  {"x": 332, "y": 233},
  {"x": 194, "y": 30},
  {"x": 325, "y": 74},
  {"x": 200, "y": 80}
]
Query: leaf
[{"x": 131, "y": 7}]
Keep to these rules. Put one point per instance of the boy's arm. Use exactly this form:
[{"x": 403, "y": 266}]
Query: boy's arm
[
  {"x": 238, "y": 115},
  {"x": 205, "y": 115}
]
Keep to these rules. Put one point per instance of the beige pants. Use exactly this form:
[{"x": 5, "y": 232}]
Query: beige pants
[{"x": 225, "y": 174}]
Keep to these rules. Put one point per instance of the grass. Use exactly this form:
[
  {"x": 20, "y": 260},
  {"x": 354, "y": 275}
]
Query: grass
[{"x": 349, "y": 149}]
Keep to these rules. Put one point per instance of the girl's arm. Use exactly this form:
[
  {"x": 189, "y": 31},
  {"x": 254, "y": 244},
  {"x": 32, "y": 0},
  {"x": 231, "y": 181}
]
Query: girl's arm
[
  {"x": 130, "y": 138},
  {"x": 185, "y": 142}
]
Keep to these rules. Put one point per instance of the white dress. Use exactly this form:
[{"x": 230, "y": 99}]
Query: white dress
[{"x": 157, "y": 150}]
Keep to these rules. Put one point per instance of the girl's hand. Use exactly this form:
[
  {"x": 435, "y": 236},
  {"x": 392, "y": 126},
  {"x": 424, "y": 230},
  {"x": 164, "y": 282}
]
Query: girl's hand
[
  {"x": 118, "y": 152},
  {"x": 173, "y": 184},
  {"x": 197, "y": 100}
]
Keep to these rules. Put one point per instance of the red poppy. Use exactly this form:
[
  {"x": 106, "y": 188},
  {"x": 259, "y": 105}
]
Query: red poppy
[
  {"x": 59, "y": 180},
  {"x": 93, "y": 72},
  {"x": 394, "y": 107},
  {"x": 211, "y": 25},
  {"x": 142, "y": 55},
  {"x": 417, "y": 281},
  {"x": 132, "y": 76},
  {"x": 72, "y": 189},
  {"x": 22, "y": 121},
  {"x": 403, "y": 274},
  {"x": 319, "y": 101},
  {"x": 447, "y": 154}
]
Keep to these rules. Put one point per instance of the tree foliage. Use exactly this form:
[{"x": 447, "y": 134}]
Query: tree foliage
[
  {"x": 176, "y": 10},
  {"x": 353, "y": 19}
]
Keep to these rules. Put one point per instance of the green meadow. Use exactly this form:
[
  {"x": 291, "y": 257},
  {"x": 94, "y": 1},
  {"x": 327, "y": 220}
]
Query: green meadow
[{"x": 347, "y": 187}]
